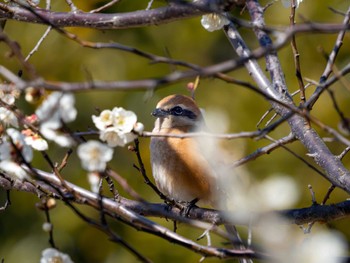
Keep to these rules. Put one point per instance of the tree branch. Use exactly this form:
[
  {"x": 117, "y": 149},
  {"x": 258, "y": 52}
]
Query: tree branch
[
  {"x": 177, "y": 10},
  {"x": 46, "y": 181},
  {"x": 336, "y": 173}
]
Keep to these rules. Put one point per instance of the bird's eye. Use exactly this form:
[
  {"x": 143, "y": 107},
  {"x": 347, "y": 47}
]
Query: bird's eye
[{"x": 177, "y": 110}]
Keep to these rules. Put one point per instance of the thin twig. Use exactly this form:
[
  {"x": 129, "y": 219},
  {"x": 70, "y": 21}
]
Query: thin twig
[
  {"x": 111, "y": 186},
  {"x": 225, "y": 136},
  {"x": 328, "y": 194},
  {"x": 331, "y": 60},
  {"x": 73, "y": 8},
  {"x": 264, "y": 116},
  {"x": 312, "y": 193},
  {"x": 343, "y": 153},
  {"x": 149, "y": 5},
  {"x": 15, "y": 49},
  {"x": 7, "y": 202},
  {"x": 142, "y": 170},
  {"x": 48, "y": 220},
  {"x": 55, "y": 170},
  {"x": 36, "y": 48},
  {"x": 299, "y": 157},
  {"x": 65, "y": 160},
  {"x": 124, "y": 184},
  {"x": 265, "y": 150},
  {"x": 297, "y": 57},
  {"x": 101, "y": 8},
  {"x": 113, "y": 237}
]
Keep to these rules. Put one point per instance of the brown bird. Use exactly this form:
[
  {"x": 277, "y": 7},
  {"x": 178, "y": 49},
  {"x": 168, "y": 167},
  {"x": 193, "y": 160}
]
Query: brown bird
[
  {"x": 180, "y": 168},
  {"x": 183, "y": 168}
]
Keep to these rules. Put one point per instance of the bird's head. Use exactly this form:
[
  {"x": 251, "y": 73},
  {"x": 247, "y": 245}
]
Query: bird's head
[{"x": 179, "y": 112}]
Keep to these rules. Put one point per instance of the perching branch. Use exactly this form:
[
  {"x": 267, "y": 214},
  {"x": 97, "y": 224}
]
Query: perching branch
[
  {"x": 322, "y": 213},
  {"x": 127, "y": 215}
]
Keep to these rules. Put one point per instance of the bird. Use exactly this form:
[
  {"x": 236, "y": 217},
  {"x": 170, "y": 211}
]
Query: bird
[{"x": 180, "y": 169}]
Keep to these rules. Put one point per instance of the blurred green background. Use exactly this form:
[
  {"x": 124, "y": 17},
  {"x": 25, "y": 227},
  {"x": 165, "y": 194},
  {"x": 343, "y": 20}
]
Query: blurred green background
[{"x": 60, "y": 59}]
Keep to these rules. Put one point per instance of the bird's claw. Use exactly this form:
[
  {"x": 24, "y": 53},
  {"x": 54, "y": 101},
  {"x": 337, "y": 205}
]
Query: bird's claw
[{"x": 188, "y": 206}]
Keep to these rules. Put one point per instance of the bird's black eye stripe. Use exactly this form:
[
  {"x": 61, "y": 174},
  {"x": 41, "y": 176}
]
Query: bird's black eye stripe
[{"x": 178, "y": 111}]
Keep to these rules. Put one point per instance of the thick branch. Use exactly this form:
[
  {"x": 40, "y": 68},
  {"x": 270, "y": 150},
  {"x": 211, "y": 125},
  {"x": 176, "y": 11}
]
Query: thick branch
[
  {"x": 322, "y": 213},
  {"x": 97, "y": 20},
  {"x": 141, "y": 18},
  {"x": 119, "y": 209},
  {"x": 177, "y": 10}
]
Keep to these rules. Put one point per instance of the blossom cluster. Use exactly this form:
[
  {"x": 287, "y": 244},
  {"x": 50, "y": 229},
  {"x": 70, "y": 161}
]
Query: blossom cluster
[
  {"x": 118, "y": 126},
  {"x": 16, "y": 146},
  {"x": 53, "y": 113},
  {"x": 13, "y": 147},
  {"x": 7, "y": 117}
]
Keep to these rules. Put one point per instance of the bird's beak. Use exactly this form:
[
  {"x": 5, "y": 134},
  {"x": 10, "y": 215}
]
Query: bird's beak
[{"x": 158, "y": 112}]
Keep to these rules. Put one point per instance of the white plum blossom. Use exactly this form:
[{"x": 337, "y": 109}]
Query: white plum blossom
[
  {"x": 8, "y": 118},
  {"x": 94, "y": 155},
  {"x": 8, "y": 154},
  {"x": 123, "y": 120},
  {"x": 104, "y": 120},
  {"x": 114, "y": 137},
  {"x": 9, "y": 97},
  {"x": 213, "y": 22},
  {"x": 57, "y": 108},
  {"x": 139, "y": 127},
  {"x": 111, "y": 136},
  {"x": 51, "y": 255},
  {"x": 35, "y": 140},
  {"x": 118, "y": 126},
  {"x": 13, "y": 169},
  {"x": 94, "y": 181},
  {"x": 5, "y": 150},
  {"x": 68, "y": 112},
  {"x": 18, "y": 140},
  {"x": 287, "y": 3},
  {"x": 51, "y": 131},
  {"x": 119, "y": 118}
]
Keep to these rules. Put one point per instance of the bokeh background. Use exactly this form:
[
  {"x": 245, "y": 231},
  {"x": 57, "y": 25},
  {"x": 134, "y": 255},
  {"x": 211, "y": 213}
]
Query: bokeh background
[{"x": 60, "y": 59}]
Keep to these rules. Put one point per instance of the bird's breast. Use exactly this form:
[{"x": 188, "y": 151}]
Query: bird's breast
[{"x": 179, "y": 169}]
